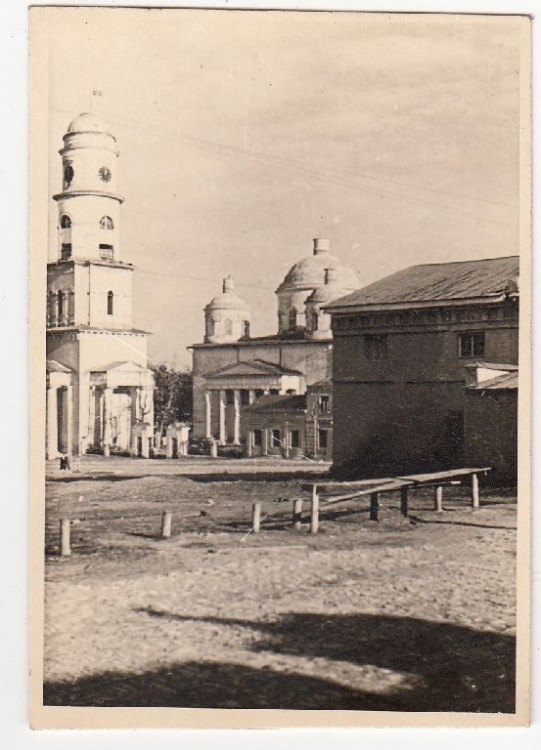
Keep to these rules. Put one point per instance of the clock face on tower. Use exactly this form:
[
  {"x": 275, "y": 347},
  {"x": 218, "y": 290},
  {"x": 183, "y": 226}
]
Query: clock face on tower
[
  {"x": 105, "y": 174},
  {"x": 68, "y": 174}
]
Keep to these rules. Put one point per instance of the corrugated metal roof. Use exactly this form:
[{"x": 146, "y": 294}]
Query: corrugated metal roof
[{"x": 437, "y": 282}]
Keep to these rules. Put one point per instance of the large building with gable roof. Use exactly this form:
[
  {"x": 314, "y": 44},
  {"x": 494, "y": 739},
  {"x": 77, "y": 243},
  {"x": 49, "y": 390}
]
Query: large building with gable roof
[{"x": 425, "y": 370}]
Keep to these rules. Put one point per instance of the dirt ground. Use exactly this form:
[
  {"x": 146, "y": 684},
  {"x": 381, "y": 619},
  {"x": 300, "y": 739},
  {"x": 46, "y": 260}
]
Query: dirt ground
[{"x": 410, "y": 615}]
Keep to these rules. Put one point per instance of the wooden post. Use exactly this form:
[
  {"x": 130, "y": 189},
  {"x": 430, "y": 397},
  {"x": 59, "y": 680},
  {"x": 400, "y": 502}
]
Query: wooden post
[
  {"x": 404, "y": 501},
  {"x": 438, "y": 498},
  {"x": 256, "y": 517},
  {"x": 374, "y": 505},
  {"x": 474, "y": 491},
  {"x": 297, "y": 515},
  {"x": 314, "y": 511},
  {"x": 65, "y": 530},
  {"x": 166, "y": 524}
]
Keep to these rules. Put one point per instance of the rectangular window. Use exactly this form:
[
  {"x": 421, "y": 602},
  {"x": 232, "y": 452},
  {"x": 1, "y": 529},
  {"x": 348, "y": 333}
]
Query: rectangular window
[
  {"x": 275, "y": 438},
  {"x": 323, "y": 439},
  {"x": 274, "y": 392},
  {"x": 294, "y": 439},
  {"x": 258, "y": 437},
  {"x": 324, "y": 404},
  {"x": 471, "y": 345},
  {"x": 259, "y": 392},
  {"x": 245, "y": 397},
  {"x": 106, "y": 252},
  {"x": 230, "y": 398},
  {"x": 65, "y": 251},
  {"x": 375, "y": 346}
]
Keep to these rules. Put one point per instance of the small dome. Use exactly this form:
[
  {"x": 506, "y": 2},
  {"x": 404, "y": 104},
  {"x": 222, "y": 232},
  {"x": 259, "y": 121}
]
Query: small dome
[
  {"x": 228, "y": 299},
  {"x": 88, "y": 123},
  {"x": 309, "y": 273}
]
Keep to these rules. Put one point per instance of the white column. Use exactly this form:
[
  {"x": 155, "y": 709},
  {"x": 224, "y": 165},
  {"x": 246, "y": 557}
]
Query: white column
[
  {"x": 208, "y": 415},
  {"x": 52, "y": 427},
  {"x": 249, "y": 443},
  {"x": 70, "y": 303},
  {"x": 251, "y": 397},
  {"x": 106, "y": 427},
  {"x": 265, "y": 441},
  {"x": 69, "y": 420},
  {"x": 236, "y": 428},
  {"x": 222, "y": 418}
]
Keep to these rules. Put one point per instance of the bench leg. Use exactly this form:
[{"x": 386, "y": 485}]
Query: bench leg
[
  {"x": 404, "y": 501},
  {"x": 438, "y": 498},
  {"x": 374, "y": 506},
  {"x": 314, "y": 511}
]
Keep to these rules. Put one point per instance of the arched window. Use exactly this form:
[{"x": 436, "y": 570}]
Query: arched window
[
  {"x": 106, "y": 222},
  {"x": 65, "y": 221},
  {"x": 228, "y": 327},
  {"x": 315, "y": 321},
  {"x": 110, "y": 298},
  {"x": 293, "y": 318},
  {"x": 210, "y": 327}
]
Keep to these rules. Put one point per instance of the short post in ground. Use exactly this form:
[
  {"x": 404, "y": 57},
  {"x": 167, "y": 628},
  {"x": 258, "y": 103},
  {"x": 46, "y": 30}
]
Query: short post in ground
[
  {"x": 297, "y": 515},
  {"x": 374, "y": 506},
  {"x": 256, "y": 517},
  {"x": 314, "y": 511},
  {"x": 474, "y": 491},
  {"x": 65, "y": 540},
  {"x": 438, "y": 498},
  {"x": 167, "y": 518}
]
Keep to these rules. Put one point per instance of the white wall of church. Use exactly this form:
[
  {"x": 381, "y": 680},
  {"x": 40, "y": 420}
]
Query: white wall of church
[
  {"x": 86, "y": 234},
  {"x": 92, "y": 286}
]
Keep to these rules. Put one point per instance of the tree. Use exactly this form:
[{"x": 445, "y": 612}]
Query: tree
[{"x": 172, "y": 396}]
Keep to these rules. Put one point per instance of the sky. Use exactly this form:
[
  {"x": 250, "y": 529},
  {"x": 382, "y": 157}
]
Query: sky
[{"x": 243, "y": 135}]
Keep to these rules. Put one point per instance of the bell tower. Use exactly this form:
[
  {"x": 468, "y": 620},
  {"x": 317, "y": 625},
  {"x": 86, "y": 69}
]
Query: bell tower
[{"x": 99, "y": 386}]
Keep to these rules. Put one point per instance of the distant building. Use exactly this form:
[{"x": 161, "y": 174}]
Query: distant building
[
  {"x": 425, "y": 370},
  {"x": 291, "y": 426},
  {"x": 99, "y": 389},
  {"x": 232, "y": 370}
]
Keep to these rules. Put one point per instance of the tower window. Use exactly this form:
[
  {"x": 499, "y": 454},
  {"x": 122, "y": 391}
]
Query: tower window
[
  {"x": 315, "y": 323},
  {"x": 65, "y": 250},
  {"x": 293, "y": 318},
  {"x": 106, "y": 222},
  {"x": 106, "y": 251},
  {"x": 65, "y": 221},
  {"x": 61, "y": 306},
  {"x": 110, "y": 298}
]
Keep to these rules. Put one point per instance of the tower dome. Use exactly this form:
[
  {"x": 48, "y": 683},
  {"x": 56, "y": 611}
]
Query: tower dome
[
  {"x": 303, "y": 278},
  {"x": 318, "y": 322},
  {"x": 88, "y": 122},
  {"x": 227, "y": 316}
]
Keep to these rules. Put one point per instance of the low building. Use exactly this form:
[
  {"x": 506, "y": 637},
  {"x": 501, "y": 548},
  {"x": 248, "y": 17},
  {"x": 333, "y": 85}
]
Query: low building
[
  {"x": 291, "y": 426},
  {"x": 403, "y": 394}
]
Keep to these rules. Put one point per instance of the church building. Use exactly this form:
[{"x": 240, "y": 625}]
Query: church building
[
  {"x": 233, "y": 370},
  {"x": 99, "y": 388}
]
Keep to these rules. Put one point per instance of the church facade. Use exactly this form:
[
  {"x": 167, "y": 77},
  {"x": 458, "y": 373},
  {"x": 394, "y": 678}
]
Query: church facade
[
  {"x": 99, "y": 388},
  {"x": 232, "y": 370}
]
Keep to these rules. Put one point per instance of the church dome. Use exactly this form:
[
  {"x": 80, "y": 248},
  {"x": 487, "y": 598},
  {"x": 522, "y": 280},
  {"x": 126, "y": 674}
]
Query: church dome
[
  {"x": 88, "y": 123},
  {"x": 337, "y": 284},
  {"x": 228, "y": 299},
  {"x": 309, "y": 273}
]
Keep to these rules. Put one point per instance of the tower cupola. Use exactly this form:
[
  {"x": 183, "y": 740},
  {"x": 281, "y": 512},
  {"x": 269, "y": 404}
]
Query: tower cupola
[
  {"x": 227, "y": 317},
  {"x": 89, "y": 204}
]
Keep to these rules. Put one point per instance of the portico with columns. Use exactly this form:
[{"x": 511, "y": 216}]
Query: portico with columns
[{"x": 99, "y": 387}]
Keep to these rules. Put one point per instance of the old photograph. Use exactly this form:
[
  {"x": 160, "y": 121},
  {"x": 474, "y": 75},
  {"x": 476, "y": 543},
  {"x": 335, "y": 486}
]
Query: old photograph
[{"x": 280, "y": 459}]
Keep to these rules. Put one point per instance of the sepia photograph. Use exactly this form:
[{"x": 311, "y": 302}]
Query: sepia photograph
[{"x": 279, "y": 459}]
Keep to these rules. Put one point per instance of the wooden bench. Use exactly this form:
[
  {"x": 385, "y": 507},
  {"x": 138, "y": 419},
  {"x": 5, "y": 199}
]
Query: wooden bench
[{"x": 439, "y": 479}]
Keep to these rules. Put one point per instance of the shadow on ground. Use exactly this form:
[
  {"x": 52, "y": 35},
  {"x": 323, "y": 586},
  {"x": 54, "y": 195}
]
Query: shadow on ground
[{"x": 451, "y": 668}]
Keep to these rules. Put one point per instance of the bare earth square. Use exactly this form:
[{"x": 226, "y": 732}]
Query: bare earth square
[{"x": 410, "y": 614}]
